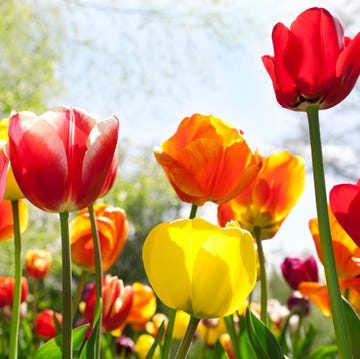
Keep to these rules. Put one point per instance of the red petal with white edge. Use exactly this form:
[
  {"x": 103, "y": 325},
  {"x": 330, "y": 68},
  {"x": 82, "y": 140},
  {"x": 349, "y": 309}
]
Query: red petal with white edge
[
  {"x": 4, "y": 165},
  {"x": 321, "y": 38},
  {"x": 38, "y": 160},
  {"x": 345, "y": 204},
  {"x": 101, "y": 147}
]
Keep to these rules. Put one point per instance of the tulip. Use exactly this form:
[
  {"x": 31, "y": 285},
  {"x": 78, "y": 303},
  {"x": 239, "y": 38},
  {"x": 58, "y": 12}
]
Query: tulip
[
  {"x": 125, "y": 346},
  {"x": 180, "y": 324},
  {"x": 62, "y": 158},
  {"x": 191, "y": 260},
  {"x": 7, "y": 221},
  {"x": 45, "y": 325},
  {"x": 143, "y": 345},
  {"x": 207, "y": 160},
  {"x": 313, "y": 63},
  {"x": 143, "y": 306},
  {"x": 117, "y": 301},
  {"x": 346, "y": 252},
  {"x": 7, "y": 285},
  {"x": 295, "y": 271},
  {"x": 12, "y": 190},
  {"x": 152, "y": 327},
  {"x": 210, "y": 330},
  {"x": 345, "y": 204},
  {"x": 268, "y": 200},
  {"x": 112, "y": 227},
  {"x": 298, "y": 301},
  {"x": 37, "y": 263}
]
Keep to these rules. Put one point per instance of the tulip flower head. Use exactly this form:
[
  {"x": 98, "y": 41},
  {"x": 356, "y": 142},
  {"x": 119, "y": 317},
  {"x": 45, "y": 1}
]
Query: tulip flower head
[
  {"x": 345, "y": 204},
  {"x": 207, "y": 160},
  {"x": 45, "y": 325},
  {"x": 143, "y": 345},
  {"x": 7, "y": 285},
  {"x": 143, "y": 306},
  {"x": 191, "y": 260},
  {"x": 313, "y": 63},
  {"x": 346, "y": 252},
  {"x": 117, "y": 301},
  {"x": 295, "y": 271},
  {"x": 37, "y": 263},
  {"x": 268, "y": 200},
  {"x": 62, "y": 158},
  {"x": 6, "y": 218},
  {"x": 112, "y": 227}
]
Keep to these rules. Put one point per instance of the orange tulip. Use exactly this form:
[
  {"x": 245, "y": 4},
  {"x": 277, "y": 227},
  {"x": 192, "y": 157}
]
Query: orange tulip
[
  {"x": 318, "y": 293},
  {"x": 113, "y": 229},
  {"x": 6, "y": 218},
  {"x": 267, "y": 201},
  {"x": 207, "y": 160},
  {"x": 143, "y": 306},
  {"x": 37, "y": 263},
  {"x": 346, "y": 252}
]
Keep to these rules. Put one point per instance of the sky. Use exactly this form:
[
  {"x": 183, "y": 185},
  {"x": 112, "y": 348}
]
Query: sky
[{"x": 152, "y": 63}]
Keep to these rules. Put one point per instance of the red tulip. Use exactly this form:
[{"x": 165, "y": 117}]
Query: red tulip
[
  {"x": 62, "y": 158},
  {"x": 7, "y": 285},
  {"x": 45, "y": 324},
  {"x": 117, "y": 302},
  {"x": 313, "y": 63},
  {"x": 345, "y": 204}
]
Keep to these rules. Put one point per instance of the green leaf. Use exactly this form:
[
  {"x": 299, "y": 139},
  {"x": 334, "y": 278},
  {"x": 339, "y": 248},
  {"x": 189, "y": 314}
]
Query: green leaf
[
  {"x": 304, "y": 344},
  {"x": 262, "y": 340},
  {"x": 328, "y": 352},
  {"x": 353, "y": 323},
  {"x": 157, "y": 340},
  {"x": 245, "y": 347},
  {"x": 219, "y": 351},
  {"x": 88, "y": 351},
  {"x": 52, "y": 348}
]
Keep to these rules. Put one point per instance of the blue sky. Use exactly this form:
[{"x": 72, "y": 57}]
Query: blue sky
[{"x": 153, "y": 63}]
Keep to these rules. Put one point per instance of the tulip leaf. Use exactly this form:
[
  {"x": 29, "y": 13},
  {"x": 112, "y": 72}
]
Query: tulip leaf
[
  {"x": 219, "y": 351},
  {"x": 245, "y": 348},
  {"x": 328, "y": 352},
  {"x": 52, "y": 348},
  {"x": 263, "y": 341},
  {"x": 353, "y": 324},
  {"x": 157, "y": 340},
  {"x": 89, "y": 351}
]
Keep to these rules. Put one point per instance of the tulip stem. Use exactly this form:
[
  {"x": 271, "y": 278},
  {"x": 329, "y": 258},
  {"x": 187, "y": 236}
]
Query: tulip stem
[
  {"x": 66, "y": 287},
  {"x": 338, "y": 316},
  {"x": 79, "y": 289},
  {"x": 98, "y": 273},
  {"x": 193, "y": 211},
  {"x": 263, "y": 280},
  {"x": 169, "y": 333},
  {"x": 15, "y": 318},
  {"x": 187, "y": 340}
]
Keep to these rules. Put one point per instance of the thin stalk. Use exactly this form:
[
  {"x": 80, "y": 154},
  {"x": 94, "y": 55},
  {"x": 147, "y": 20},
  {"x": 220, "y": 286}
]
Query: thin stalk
[
  {"x": 229, "y": 322},
  {"x": 187, "y": 340},
  {"x": 263, "y": 279},
  {"x": 79, "y": 289},
  {"x": 338, "y": 316},
  {"x": 98, "y": 273},
  {"x": 169, "y": 333},
  {"x": 66, "y": 287},
  {"x": 193, "y": 211},
  {"x": 15, "y": 318}
]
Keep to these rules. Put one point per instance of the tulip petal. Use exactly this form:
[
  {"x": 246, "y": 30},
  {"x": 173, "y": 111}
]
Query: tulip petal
[{"x": 345, "y": 204}]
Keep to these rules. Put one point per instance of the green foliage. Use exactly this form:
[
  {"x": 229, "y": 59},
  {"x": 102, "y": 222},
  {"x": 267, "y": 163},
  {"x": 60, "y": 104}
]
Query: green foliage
[{"x": 28, "y": 57}]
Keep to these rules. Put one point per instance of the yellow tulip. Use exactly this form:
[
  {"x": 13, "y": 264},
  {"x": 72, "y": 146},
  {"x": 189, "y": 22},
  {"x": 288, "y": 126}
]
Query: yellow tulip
[{"x": 200, "y": 268}]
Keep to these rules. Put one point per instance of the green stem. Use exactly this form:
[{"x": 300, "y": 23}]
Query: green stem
[
  {"x": 229, "y": 321},
  {"x": 98, "y": 273},
  {"x": 169, "y": 333},
  {"x": 194, "y": 208},
  {"x": 15, "y": 318},
  {"x": 79, "y": 289},
  {"x": 339, "y": 323},
  {"x": 66, "y": 287},
  {"x": 187, "y": 340},
  {"x": 263, "y": 280}
]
